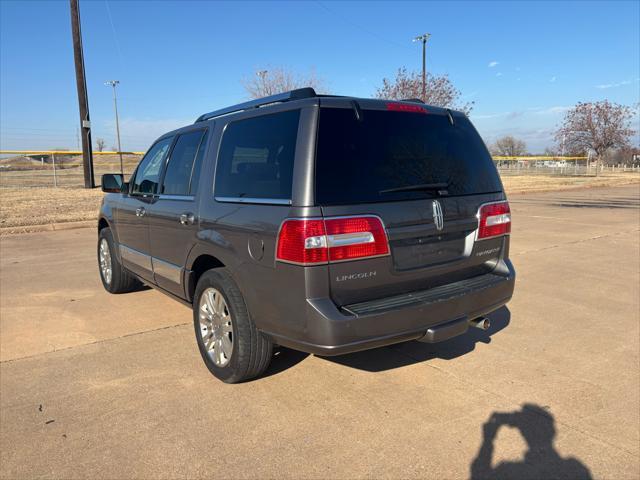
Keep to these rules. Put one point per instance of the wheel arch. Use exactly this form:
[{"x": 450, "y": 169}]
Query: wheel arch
[
  {"x": 199, "y": 265},
  {"x": 103, "y": 223}
]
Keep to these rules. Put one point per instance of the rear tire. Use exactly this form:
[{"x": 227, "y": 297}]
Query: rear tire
[
  {"x": 115, "y": 279},
  {"x": 230, "y": 345}
]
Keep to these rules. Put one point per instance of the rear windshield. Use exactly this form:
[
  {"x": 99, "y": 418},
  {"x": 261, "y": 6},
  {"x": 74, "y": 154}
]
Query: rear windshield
[{"x": 357, "y": 160}]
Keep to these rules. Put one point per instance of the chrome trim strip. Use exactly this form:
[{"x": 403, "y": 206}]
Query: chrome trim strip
[
  {"x": 137, "y": 258},
  {"x": 346, "y": 239},
  {"x": 261, "y": 201},
  {"x": 163, "y": 196},
  {"x": 167, "y": 270}
]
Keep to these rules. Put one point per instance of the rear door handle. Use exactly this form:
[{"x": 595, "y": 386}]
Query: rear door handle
[
  {"x": 187, "y": 219},
  {"x": 140, "y": 212}
]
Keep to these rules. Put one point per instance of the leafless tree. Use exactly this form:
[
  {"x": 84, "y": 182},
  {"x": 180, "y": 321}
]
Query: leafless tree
[
  {"x": 596, "y": 126},
  {"x": 509, "y": 146},
  {"x": 440, "y": 91},
  {"x": 625, "y": 156},
  {"x": 265, "y": 82},
  {"x": 100, "y": 143}
]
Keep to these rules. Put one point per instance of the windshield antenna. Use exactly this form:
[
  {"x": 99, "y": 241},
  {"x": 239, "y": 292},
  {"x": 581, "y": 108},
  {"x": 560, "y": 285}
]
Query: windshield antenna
[{"x": 357, "y": 110}]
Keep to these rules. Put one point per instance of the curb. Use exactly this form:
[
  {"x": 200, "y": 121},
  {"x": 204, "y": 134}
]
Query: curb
[{"x": 49, "y": 227}]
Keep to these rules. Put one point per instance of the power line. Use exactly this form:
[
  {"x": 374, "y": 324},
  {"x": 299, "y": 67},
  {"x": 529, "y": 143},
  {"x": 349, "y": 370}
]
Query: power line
[
  {"x": 360, "y": 27},
  {"x": 115, "y": 37}
]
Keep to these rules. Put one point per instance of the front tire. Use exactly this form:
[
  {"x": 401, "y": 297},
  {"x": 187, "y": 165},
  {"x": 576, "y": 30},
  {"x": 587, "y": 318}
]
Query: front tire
[
  {"x": 230, "y": 345},
  {"x": 115, "y": 279}
]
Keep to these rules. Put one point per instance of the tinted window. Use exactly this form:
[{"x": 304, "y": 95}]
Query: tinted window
[
  {"x": 256, "y": 157},
  {"x": 177, "y": 177},
  {"x": 197, "y": 166},
  {"x": 357, "y": 160},
  {"x": 148, "y": 171}
]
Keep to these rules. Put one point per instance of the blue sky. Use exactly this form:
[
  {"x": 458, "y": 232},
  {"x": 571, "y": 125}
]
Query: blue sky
[{"x": 523, "y": 63}]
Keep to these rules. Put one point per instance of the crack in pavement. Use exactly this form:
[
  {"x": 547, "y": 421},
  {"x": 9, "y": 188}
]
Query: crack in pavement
[
  {"x": 573, "y": 242},
  {"x": 104, "y": 340}
]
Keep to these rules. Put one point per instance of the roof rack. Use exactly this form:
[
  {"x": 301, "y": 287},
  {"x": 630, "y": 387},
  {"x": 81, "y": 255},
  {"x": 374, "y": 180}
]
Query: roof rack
[{"x": 298, "y": 94}]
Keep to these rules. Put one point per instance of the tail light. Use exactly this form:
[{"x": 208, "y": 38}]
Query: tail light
[
  {"x": 494, "y": 219},
  {"x": 319, "y": 241}
]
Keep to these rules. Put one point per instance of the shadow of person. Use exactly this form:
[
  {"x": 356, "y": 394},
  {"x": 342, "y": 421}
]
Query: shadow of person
[{"x": 541, "y": 460}]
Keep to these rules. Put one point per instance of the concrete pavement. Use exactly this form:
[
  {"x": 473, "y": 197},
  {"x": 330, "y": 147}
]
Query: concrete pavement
[{"x": 103, "y": 386}]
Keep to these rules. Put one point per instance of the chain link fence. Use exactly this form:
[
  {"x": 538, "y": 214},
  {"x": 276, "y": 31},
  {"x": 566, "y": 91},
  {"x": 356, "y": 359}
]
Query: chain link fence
[
  {"x": 560, "y": 166},
  {"x": 60, "y": 168},
  {"x": 21, "y": 169}
]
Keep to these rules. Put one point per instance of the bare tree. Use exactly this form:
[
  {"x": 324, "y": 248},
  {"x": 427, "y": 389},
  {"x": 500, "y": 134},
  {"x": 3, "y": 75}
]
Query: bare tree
[
  {"x": 509, "y": 146},
  {"x": 265, "y": 82},
  {"x": 440, "y": 91},
  {"x": 596, "y": 126},
  {"x": 100, "y": 143}
]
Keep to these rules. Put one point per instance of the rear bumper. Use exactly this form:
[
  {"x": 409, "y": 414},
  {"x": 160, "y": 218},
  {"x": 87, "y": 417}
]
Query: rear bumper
[{"x": 417, "y": 315}]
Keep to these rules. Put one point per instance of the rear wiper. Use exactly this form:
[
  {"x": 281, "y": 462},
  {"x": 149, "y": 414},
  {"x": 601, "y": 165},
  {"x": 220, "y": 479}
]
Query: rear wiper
[{"x": 439, "y": 188}]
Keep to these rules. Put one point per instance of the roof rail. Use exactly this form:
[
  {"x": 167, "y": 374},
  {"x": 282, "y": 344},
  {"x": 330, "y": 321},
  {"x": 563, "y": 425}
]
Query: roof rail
[
  {"x": 414, "y": 100},
  {"x": 306, "y": 92}
]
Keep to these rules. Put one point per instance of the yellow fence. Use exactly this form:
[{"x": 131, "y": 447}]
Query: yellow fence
[
  {"x": 538, "y": 158},
  {"x": 76, "y": 152},
  {"x": 61, "y": 152}
]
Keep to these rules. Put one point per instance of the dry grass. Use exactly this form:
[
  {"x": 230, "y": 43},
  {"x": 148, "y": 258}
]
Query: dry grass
[
  {"x": 42, "y": 206},
  {"x": 543, "y": 183}
]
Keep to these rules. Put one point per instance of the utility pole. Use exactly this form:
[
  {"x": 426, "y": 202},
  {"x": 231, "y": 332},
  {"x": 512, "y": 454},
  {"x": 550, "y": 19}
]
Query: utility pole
[
  {"x": 113, "y": 83},
  {"x": 423, "y": 38},
  {"x": 83, "y": 100}
]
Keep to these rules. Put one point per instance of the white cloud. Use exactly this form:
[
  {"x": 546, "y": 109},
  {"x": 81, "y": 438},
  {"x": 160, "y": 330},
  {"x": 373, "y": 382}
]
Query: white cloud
[
  {"x": 519, "y": 113},
  {"x": 552, "y": 110},
  {"x": 499, "y": 74},
  {"x": 493, "y": 64},
  {"x": 615, "y": 85},
  {"x": 552, "y": 79},
  {"x": 489, "y": 115}
]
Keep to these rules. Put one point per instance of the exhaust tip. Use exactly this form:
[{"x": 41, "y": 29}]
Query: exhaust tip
[{"x": 483, "y": 323}]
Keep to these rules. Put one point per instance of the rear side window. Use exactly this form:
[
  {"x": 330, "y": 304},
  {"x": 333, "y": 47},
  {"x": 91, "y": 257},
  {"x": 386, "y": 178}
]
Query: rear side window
[
  {"x": 179, "y": 178},
  {"x": 256, "y": 158},
  {"x": 356, "y": 161}
]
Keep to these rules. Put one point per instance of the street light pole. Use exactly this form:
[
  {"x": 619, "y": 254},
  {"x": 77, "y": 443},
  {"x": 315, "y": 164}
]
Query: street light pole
[
  {"x": 113, "y": 84},
  {"x": 423, "y": 38}
]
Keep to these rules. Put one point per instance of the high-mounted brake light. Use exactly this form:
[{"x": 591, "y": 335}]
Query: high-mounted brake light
[
  {"x": 318, "y": 241},
  {"x": 403, "y": 107},
  {"x": 494, "y": 219}
]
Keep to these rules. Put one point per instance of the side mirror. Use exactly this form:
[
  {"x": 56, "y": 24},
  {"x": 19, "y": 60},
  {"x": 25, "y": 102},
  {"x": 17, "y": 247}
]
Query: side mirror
[{"x": 112, "y": 183}]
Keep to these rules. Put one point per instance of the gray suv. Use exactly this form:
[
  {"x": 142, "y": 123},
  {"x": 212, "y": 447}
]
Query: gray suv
[{"x": 321, "y": 223}]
